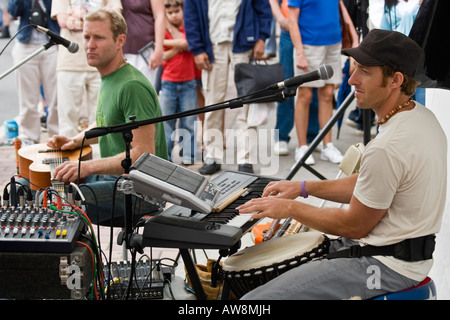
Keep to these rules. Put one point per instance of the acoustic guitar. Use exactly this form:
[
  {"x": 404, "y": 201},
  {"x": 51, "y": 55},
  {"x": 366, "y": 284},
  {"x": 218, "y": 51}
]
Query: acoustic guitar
[{"x": 37, "y": 163}]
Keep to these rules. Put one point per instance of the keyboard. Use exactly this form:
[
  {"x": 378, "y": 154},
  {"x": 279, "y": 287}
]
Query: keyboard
[{"x": 181, "y": 227}]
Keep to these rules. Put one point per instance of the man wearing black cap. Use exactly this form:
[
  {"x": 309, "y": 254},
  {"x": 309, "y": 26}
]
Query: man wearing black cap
[{"x": 396, "y": 201}]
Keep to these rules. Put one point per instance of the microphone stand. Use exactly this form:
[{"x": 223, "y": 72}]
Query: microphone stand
[
  {"x": 46, "y": 46},
  {"x": 337, "y": 115},
  {"x": 264, "y": 95}
]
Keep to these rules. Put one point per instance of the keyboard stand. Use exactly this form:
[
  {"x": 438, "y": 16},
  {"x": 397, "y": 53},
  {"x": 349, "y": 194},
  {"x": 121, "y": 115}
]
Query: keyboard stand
[
  {"x": 226, "y": 241},
  {"x": 193, "y": 275},
  {"x": 226, "y": 291}
]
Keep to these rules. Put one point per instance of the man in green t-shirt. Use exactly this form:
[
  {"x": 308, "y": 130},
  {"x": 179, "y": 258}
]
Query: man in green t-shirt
[{"x": 124, "y": 92}]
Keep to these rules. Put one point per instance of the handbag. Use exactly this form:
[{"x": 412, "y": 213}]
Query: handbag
[{"x": 253, "y": 76}]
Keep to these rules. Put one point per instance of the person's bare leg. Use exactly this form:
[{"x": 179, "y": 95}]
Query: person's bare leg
[
  {"x": 301, "y": 114},
  {"x": 325, "y": 97}
]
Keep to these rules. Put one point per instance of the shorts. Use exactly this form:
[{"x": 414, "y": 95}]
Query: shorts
[{"x": 317, "y": 56}]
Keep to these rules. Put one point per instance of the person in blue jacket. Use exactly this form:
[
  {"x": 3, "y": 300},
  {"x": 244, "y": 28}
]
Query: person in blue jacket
[
  {"x": 221, "y": 34},
  {"x": 40, "y": 70}
]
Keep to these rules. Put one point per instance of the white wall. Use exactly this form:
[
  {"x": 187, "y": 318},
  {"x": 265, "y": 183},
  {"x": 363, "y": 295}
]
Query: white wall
[{"x": 438, "y": 100}]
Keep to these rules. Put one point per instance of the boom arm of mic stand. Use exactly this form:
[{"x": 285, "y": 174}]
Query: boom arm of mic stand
[
  {"x": 274, "y": 95},
  {"x": 101, "y": 131},
  {"x": 31, "y": 56}
]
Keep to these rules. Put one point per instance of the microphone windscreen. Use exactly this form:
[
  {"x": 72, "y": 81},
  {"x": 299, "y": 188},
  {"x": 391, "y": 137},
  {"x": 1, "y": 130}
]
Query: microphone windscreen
[
  {"x": 73, "y": 47},
  {"x": 326, "y": 72}
]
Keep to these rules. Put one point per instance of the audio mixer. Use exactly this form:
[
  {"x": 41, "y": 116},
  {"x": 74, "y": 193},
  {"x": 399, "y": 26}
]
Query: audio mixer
[
  {"x": 46, "y": 248},
  {"x": 147, "y": 282},
  {"x": 38, "y": 229}
]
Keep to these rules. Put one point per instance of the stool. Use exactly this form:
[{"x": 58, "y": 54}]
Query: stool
[{"x": 426, "y": 290}]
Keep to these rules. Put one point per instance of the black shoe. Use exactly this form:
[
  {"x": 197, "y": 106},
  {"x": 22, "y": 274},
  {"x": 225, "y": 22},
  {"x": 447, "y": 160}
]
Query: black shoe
[
  {"x": 210, "y": 167},
  {"x": 248, "y": 168}
]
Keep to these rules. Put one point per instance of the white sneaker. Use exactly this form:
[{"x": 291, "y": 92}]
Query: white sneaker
[
  {"x": 299, "y": 152},
  {"x": 331, "y": 153},
  {"x": 281, "y": 148}
]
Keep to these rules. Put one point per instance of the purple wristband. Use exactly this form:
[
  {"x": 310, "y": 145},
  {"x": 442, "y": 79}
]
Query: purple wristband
[{"x": 304, "y": 194}]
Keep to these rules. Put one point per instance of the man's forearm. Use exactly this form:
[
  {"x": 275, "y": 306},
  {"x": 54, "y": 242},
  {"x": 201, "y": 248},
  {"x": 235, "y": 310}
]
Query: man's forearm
[{"x": 340, "y": 190}]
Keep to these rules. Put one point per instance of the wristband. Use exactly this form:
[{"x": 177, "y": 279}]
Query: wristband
[{"x": 304, "y": 194}]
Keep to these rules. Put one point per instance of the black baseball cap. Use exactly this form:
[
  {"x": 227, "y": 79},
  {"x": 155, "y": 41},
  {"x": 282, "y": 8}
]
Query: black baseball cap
[{"x": 384, "y": 47}]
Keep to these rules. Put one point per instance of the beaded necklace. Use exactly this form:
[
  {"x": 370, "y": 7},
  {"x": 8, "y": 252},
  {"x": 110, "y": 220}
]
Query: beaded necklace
[{"x": 394, "y": 111}]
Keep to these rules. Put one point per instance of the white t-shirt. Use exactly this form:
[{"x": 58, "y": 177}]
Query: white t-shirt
[{"x": 404, "y": 170}]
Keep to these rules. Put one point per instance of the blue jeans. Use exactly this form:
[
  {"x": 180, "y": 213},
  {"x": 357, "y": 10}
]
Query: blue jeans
[
  {"x": 285, "y": 109},
  {"x": 271, "y": 42},
  {"x": 179, "y": 97}
]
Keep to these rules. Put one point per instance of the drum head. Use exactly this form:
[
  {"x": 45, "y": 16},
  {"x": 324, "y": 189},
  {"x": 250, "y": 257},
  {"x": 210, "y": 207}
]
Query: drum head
[{"x": 273, "y": 251}]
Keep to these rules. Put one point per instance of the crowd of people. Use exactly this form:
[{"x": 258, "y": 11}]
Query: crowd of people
[
  {"x": 193, "y": 47},
  {"x": 207, "y": 40}
]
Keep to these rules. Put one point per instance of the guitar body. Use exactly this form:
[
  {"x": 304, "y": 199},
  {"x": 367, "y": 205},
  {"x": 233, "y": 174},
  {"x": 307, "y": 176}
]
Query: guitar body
[{"x": 36, "y": 162}]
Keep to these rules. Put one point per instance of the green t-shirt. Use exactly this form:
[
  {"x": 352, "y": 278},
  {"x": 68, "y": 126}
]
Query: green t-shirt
[{"x": 127, "y": 92}]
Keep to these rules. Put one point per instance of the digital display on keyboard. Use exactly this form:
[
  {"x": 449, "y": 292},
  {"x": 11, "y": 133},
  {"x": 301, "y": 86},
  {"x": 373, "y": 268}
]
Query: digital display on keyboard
[{"x": 171, "y": 173}]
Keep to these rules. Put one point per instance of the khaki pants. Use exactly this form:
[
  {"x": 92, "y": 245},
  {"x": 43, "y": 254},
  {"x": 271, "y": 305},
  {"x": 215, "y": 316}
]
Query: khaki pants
[
  {"x": 215, "y": 84},
  {"x": 39, "y": 70}
]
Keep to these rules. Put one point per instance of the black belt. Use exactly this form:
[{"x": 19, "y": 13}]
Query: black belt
[{"x": 416, "y": 249}]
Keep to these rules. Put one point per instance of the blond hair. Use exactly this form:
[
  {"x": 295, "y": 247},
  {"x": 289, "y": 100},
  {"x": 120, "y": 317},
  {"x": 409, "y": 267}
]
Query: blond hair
[{"x": 118, "y": 24}]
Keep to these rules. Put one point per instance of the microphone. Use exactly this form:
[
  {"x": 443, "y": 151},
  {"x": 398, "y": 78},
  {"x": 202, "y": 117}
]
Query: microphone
[
  {"x": 71, "y": 46},
  {"x": 323, "y": 73}
]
